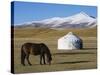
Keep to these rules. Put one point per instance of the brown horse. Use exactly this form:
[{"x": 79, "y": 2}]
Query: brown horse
[{"x": 35, "y": 49}]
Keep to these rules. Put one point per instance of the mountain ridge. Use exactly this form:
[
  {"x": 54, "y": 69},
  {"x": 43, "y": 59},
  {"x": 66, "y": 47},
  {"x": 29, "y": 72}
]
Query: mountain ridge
[{"x": 79, "y": 20}]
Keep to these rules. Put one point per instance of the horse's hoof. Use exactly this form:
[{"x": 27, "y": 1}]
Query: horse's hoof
[
  {"x": 30, "y": 64},
  {"x": 23, "y": 64},
  {"x": 41, "y": 64}
]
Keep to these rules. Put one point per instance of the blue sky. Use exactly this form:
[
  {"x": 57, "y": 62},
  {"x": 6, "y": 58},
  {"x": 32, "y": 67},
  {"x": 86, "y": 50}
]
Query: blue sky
[{"x": 30, "y": 11}]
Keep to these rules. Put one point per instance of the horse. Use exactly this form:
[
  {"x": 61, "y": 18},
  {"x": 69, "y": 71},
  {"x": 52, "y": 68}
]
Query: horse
[{"x": 35, "y": 49}]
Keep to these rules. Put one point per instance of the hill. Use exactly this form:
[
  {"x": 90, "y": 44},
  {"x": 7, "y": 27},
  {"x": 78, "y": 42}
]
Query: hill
[{"x": 48, "y": 33}]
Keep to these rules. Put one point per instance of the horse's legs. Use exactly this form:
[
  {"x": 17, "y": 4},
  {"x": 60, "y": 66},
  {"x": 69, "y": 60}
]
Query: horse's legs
[
  {"x": 44, "y": 59},
  {"x": 27, "y": 57},
  {"x": 41, "y": 59},
  {"x": 23, "y": 59},
  {"x": 42, "y": 56}
]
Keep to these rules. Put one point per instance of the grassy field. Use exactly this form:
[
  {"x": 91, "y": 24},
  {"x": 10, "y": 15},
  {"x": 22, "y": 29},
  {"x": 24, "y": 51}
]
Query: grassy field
[{"x": 62, "y": 60}]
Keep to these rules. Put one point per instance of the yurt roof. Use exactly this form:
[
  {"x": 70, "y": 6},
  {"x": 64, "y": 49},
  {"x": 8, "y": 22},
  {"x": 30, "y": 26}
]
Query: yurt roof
[{"x": 71, "y": 35}]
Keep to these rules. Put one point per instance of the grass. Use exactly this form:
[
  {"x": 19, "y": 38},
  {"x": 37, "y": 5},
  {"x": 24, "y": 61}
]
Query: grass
[
  {"x": 62, "y": 60},
  {"x": 36, "y": 32}
]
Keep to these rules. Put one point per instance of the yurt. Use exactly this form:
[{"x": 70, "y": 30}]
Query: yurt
[{"x": 70, "y": 42}]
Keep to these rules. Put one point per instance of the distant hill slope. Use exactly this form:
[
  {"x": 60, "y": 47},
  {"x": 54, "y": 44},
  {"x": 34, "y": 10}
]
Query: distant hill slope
[
  {"x": 79, "y": 20},
  {"x": 49, "y": 33}
]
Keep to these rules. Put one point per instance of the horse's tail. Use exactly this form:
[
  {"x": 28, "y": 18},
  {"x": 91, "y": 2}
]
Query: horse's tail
[{"x": 22, "y": 55}]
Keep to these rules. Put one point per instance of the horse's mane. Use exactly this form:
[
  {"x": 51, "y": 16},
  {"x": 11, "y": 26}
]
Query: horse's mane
[{"x": 47, "y": 49}]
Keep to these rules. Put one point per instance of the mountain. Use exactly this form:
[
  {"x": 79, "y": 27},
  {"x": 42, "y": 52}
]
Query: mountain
[{"x": 79, "y": 20}]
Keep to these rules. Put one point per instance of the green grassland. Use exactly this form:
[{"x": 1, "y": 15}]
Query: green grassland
[{"x": 62, "y": 60}]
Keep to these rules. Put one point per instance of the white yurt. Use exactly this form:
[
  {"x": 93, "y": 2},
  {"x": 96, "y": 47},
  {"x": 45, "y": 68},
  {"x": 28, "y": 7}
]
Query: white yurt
[{"x": 70, "y": 42}]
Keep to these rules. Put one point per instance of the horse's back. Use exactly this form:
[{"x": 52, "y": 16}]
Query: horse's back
[
  {"x": 44, "y": 46},
  {"x": 32, "y": 48}
]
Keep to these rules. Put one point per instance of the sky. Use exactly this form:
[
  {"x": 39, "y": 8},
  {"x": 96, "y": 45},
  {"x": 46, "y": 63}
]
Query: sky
[{"x": 32, "y": 11}]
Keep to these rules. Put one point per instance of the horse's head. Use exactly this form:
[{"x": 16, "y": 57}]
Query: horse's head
[
  {"x": 49, "y": 59},
  {"x": 46, "y": 50}
]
